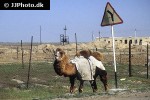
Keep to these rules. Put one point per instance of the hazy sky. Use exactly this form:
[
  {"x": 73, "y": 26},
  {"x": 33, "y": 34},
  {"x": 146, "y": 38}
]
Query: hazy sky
[{"x": 82, "y": 17}]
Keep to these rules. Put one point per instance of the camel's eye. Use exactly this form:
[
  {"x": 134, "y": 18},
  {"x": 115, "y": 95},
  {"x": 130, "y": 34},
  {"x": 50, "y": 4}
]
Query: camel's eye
[
  {"x": 61, "y": 53},
  {"x": 57, "y": 55}
]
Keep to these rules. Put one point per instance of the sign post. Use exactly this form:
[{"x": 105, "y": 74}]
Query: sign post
[
  {"x": 111, "y": 18},
  {"x": 114, "y": 54}
]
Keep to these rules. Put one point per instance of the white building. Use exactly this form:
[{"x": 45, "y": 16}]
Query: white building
[{"x": 124, "y": 41}]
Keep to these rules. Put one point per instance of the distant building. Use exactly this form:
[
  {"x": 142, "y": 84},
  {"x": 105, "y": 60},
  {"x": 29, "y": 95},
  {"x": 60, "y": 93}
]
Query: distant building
[{"x": 124, "y": 41}]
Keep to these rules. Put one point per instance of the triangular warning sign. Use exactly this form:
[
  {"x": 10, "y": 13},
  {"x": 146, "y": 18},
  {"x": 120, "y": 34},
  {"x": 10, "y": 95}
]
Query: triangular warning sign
[{"x": 110, "y": 16}]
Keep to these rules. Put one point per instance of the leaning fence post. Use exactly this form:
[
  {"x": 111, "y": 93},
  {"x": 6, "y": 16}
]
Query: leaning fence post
[
  {"x": 29, "y": 63},
  {"x": 147, "y": 60},
  {"x": 22, "y": 55}
]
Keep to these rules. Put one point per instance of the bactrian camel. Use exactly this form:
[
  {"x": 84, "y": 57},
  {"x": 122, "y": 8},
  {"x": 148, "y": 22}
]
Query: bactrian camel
[{"x": 64, "y": 67}]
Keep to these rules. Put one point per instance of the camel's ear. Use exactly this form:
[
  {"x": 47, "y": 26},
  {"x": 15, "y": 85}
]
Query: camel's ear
[{"x": 59, "y": 49}]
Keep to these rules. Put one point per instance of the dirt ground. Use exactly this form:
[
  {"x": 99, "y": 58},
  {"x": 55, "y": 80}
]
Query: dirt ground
[{"x": 119, "y": 96}]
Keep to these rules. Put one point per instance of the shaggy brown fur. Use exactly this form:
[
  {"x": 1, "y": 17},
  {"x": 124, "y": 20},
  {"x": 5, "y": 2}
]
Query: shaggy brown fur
[
  {"x": 62, "y": 66},
  {"x": 66, "y": 68},
  {"x": 97, "y": 55},
  {"x": 87, "y": 53}
]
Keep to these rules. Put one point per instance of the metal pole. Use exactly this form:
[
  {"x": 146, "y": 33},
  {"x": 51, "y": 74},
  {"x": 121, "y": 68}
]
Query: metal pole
[
  {"x": 30, "y": 62},
  {"x": 112, "y": 31},
  {"x": 40, "y": 35},
  {"x": 63, "y": 39},
  {"x": 99, "y": 35},
  {"x": 130, "y": 59},
  {"x": 135, "y": 33},
  {"x": 147, "y": 61},
  {"x": 22, "y": 55},
  {"x": 92, "y": 36},
  {"x": 65, "y": 30},
  {"x": 76, "y": 43}
]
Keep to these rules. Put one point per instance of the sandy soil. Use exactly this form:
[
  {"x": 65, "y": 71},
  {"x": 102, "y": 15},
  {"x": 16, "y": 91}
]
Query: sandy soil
[{"x": 119, "y": 96}]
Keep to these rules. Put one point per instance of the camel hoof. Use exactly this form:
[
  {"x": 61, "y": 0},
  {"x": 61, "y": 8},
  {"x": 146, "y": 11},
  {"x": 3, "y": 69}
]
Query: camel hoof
[
  {"x": 106, "y": 88},
  {"x": 94, "y": 90},
  {"x": 80, "y": 90},
  {"x": 72, "y": 89}
]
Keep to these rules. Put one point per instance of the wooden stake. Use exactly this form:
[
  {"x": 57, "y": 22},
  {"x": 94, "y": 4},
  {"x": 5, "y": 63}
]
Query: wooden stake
[
  {"x": 22, "y": 55},
  {"x": 29, "y": 63},
  {"x": 130, "y": 74}
]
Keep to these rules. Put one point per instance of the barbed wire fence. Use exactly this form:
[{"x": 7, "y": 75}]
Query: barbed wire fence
[
  {"x": 139, "y": 55},
  {"x": 14, "y": 53}
]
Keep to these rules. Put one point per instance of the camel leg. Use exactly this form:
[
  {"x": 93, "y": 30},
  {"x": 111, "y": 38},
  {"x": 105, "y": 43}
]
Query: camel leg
[
  {"x": 81, "y": 82},
  {"x": 72, "y": 81},
  {"x": 81, "y": 86},
  {"x": 103, "y": 78},
  {"x": 93, "y": 85}
]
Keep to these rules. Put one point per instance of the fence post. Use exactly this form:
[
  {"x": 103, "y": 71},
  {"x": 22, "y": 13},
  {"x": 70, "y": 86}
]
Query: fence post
[
  {"x": 76, "y": 43},
  {"x": 17, "y": 52},
  {"x": 130, "y": 59},
  {"x": 96, "y": 49},
  {"x": 22, "y": 55},
  {"x": 147, "y": 60},
  {"x": 120, "y": 57},
  {"x": 30, "y": 62}
]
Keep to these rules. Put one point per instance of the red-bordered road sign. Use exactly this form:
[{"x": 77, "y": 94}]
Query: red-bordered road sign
[{"x": 110, "y": 16}]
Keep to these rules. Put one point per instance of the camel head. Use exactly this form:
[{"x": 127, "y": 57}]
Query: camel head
[
  {"x": 59, "y": 54},
  {"x": 62, "y": 65}
]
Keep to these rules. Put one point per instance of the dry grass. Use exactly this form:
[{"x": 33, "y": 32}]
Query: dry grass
[{"x": 45, "y": 84}]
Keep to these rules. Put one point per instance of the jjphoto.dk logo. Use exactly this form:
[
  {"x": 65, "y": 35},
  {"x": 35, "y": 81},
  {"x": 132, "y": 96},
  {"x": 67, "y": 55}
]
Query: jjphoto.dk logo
[
  {"x": 6, "y": 5},
  {"x": 25, "y": 5},
  {"x": 39, "y": 4}
]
